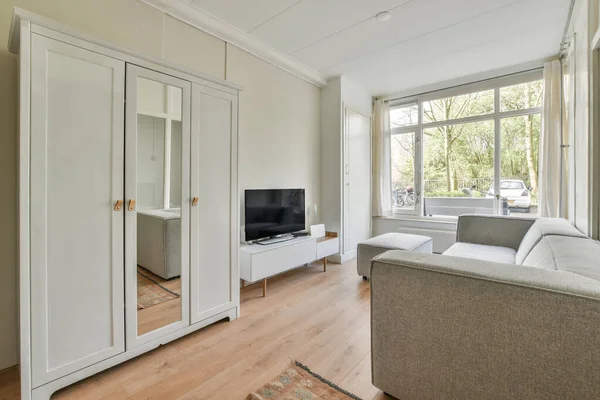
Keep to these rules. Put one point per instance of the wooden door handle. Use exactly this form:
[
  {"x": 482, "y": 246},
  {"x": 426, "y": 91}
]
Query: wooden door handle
[
  {"x": 118, "y": 205},
  {"x": 131, "y": 205},
  {"x": 194, "y": 202}
]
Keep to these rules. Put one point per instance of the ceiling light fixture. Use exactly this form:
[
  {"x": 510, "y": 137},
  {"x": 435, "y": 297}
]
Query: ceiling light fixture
[{"x": 383, "y": 16}]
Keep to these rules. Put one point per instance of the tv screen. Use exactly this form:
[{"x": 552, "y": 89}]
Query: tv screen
[{"x": 273, "y": 212}]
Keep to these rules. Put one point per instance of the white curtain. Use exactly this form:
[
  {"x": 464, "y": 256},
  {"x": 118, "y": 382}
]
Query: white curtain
[
  {"x": 382, "y": 166},
  {"x": 550, "y": 142}
]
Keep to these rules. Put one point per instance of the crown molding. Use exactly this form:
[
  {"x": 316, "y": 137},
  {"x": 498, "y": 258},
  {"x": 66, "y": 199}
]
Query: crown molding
[{"x": 199, "y": 19}]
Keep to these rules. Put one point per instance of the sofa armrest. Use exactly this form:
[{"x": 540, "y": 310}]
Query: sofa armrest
[
  {"x": 492, "y": 230},
  {"x": 457, "y": 328}
]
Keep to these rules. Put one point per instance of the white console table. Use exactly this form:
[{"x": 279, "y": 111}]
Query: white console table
[{"x": 258, "y": 262}]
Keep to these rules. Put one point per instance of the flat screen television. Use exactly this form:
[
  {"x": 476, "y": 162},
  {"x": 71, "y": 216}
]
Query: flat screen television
[{"x": 273, "y": 212}]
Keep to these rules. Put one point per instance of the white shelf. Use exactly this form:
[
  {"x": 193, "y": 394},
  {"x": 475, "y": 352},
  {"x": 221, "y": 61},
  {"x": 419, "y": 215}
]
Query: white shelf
[{"x": 259, "y": 262}]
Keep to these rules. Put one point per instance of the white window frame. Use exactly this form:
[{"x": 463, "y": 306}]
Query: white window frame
[{"x": 497, "y": 116}]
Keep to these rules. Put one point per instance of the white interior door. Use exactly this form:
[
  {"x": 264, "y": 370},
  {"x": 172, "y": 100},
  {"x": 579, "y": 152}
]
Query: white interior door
[
  {"x": 157, "y": 194},
  {"x": 214, "y": 268},
  {"x": 357, "y": 180},
  {"x": 77, "y": 145}
]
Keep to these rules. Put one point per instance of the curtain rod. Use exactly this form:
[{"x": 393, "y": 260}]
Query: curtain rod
[{"x": 566, "y": 40}]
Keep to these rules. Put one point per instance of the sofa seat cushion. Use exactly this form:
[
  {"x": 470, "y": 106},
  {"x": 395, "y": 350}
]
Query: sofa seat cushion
[
  {"x": 370, "y": 248},
  {"x": 545, "y": 227},
  {"x": 482, "y": 252}
]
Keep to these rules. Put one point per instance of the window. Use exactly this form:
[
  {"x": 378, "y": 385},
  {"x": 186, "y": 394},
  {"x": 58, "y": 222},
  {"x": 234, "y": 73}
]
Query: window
[
  {"x": 404, "y": 116},
  {"x": 469, "y": 151},
  {"x": 521, "y": 97},
  {"x": 403, "y": 171},
  {"x": 519, "y": 162},
  {"x": 458, "y": 161},
  {"x": 466, "y": 105}
]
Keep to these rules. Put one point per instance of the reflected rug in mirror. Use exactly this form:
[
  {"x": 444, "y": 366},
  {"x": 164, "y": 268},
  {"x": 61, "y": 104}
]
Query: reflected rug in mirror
[
  {"x": 153, "y": 290},
  {"x": 299, "y": 382}
]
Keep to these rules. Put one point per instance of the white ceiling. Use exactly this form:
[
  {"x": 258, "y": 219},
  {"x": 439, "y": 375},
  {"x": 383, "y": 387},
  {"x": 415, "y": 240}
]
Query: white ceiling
[{"x": 425, "y": 41}]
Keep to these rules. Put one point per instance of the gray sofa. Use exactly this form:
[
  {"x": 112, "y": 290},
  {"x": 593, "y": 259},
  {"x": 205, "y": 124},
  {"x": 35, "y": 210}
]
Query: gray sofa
[{"x": 511, "y": 311}]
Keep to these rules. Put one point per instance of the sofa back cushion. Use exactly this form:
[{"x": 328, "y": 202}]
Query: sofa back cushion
[
  {"x": 545, "y": 227},
  {"x": 492, "y": 230},
  {"x": 567, "y": 253}
]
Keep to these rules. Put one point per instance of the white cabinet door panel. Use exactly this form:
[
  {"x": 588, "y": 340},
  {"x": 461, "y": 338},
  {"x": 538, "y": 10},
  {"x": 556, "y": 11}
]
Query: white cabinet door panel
[
  {"x": 213, "y": 238},
  {"x": 77, "y": 146},
  {"x": 139, "y": 79}
]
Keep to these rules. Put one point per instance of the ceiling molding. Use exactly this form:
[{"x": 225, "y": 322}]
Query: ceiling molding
[{"x": 230, "y": 34}]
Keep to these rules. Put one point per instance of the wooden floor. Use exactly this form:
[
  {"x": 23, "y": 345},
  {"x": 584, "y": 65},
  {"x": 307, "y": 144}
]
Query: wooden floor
[
  {"x": 162, "y": 314},
  {"x": 320, "y": 319}
]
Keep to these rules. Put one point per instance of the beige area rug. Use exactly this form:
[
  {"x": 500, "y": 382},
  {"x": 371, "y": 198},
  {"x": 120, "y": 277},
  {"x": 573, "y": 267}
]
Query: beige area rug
[
  {"x": 151, "y": 290},
  {"x": 298, "y": 382}
]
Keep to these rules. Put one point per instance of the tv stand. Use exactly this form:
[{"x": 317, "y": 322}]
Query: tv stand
[
  {"x": 273, "y": 240},
  {"x": 257, "y": 262}
]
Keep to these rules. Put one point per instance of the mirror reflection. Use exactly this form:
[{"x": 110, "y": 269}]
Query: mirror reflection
[{"x": 159, "y": 167}]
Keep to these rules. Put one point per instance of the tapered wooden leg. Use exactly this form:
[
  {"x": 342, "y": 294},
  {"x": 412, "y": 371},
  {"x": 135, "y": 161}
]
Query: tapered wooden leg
[
  {"x": 265, "y": 287},
  {"x": 324, "y": 264}
]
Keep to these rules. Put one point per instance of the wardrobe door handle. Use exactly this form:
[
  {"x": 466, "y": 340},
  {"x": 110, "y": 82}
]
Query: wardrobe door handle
[
  {"x": 118, "y": 205},
  {"x": 131, "y": 205},
  {"x": 194, "y": 202}
]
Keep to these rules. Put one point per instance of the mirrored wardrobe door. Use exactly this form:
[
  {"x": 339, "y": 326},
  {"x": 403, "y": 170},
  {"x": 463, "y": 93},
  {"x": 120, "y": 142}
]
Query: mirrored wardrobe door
[{"x": 157, "y": 165}]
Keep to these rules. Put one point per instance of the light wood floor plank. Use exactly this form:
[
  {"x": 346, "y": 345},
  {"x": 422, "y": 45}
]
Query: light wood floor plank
[
  {"x": 320, "y": 319},
  {"x": 358, "y": 381},
  {"x": 9, "y": 384}
]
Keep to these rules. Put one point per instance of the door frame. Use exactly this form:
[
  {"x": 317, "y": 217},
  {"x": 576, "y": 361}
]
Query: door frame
[{"x": 345, "y": 254}]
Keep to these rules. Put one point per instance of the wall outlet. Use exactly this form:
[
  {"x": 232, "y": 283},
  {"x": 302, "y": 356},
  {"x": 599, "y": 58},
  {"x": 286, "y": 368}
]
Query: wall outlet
[{"x": 315, "y": 209}]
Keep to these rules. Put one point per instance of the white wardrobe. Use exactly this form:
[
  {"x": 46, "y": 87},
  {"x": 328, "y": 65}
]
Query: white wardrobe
[{"x": 125, "y": 163}]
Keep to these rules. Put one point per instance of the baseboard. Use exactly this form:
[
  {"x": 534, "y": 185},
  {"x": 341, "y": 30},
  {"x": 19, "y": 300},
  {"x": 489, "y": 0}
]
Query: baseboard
[
  {"x": 342, "y": 258},
  {"x": 6, "y": 369}
]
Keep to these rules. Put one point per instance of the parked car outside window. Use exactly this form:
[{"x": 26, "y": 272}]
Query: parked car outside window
[{"x": 517, "y": 193}]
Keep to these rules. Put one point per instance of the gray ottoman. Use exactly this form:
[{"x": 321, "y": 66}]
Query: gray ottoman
[{"x": 370, "y": 248}]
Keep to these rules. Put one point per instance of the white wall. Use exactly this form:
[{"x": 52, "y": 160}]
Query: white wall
[
  {"x": 581, "y": 75},
  {"x": 279, "y": 113},
  {"x": 356, "y": 97},
  {"x": 581, "y": 52},
  {"x": 150, "y": 162},
  {"x": 331, "y": 155},
  {"x": 279, "y": 128},
  {"x": 176, "y": 153},
  {"x": 340, "y": 92}
]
